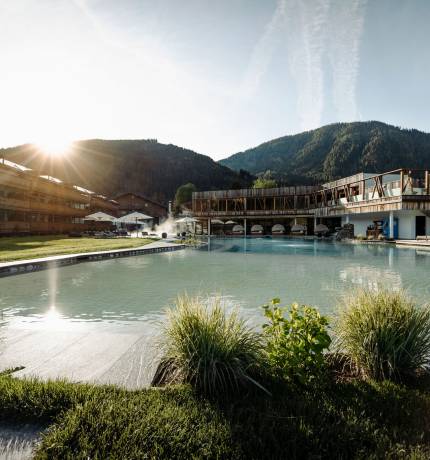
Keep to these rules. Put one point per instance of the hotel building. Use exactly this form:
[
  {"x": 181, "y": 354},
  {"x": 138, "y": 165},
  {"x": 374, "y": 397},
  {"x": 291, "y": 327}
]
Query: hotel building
[
  {"x": 395, "y": 203},
  {"x": 35, "y": 204}
]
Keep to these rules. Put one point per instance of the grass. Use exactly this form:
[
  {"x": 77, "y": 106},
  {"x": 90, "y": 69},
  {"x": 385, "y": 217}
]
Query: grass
[
  {"x": 206, "y": 346},
  {"x": 384, "y": 333},
  {"x": 32, "y": 247},
  {"x": 338, "y": 420}
]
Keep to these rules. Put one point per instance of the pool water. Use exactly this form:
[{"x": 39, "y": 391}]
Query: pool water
[{"x": 246, "y": 272}]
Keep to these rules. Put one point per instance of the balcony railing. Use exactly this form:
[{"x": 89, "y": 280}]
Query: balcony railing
[{"x": 352, "y": 192}]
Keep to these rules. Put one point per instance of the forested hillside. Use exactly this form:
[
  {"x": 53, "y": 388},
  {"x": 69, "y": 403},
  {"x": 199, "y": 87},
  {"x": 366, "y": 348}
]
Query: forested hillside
[
  {"x": 140, "y": 166},
  {"x": 336, "y": 150}
]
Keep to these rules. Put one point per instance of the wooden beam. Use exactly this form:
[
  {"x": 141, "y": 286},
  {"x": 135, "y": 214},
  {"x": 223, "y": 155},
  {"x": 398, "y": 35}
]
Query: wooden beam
[{"x": 402, "y": 180}]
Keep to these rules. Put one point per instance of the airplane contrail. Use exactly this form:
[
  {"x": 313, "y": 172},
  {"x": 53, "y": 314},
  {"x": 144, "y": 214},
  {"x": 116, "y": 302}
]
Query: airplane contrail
[
  {"x": 346, "y": 33},
  {"x": 306, "y": 46},
  {"x": 263, "y": 51},
  {"x": 322, "y": 40}
]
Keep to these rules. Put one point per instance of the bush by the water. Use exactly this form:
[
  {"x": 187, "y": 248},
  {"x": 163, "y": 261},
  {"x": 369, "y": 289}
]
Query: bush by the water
[
  {"x": 204, "y": 345},
  {"x": 295, "y": 345},
  {"x": 384, "y": 333}
]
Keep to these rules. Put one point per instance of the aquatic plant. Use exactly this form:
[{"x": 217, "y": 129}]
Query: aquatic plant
[
  {"x": 384, "y": 333},
  {"x": 295, "y": 344},
  {"x": 208, "y": 347}
]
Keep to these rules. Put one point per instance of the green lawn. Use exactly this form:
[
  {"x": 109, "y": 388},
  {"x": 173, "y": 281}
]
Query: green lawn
[
  {"x": 330, "y": 420},
  {"x": 32, "y": 247}
]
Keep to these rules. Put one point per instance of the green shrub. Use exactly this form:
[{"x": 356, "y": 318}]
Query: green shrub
[
  {"x": 148, "y": 424},
  {"x": 204, "y": 345},
  {"x": 384, "y": 333},
  {"x": 295, "y": 345}
]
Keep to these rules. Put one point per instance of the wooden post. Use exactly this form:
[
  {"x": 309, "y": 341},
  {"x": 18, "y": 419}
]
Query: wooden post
[
  {"x": 402, "y": 179},
  {"x": 427, "y": 183}
]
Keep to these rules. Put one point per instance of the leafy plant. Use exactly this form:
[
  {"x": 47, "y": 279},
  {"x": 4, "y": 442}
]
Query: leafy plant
[
  {"x": 204, "y": 345},
  {"x": 295, "y": 344},
  {"x": 384, "y": 333}
]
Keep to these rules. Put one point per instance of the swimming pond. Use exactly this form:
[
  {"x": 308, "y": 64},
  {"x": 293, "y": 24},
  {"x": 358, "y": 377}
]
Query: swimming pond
[{"x": 246, "y": 272}]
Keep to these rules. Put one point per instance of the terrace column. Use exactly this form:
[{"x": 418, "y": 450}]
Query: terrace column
[
  {"x": 209, "y": 227},
  {"x": 347, "y": 219},
  {"x": 391, "y": 225}
]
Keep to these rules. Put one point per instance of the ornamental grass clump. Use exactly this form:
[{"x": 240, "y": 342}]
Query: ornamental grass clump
[
  {"x": 205, "y": 346},
  {"x": 384, "y": 334}
]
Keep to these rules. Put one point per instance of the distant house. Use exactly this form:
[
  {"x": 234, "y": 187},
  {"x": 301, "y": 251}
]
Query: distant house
[{"x": 129, "y": 202}]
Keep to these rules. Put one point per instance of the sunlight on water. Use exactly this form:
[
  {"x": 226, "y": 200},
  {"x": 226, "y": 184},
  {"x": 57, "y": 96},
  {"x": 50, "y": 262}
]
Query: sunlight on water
[
  {"x": 52, "y": 286},
  {"x": 246, "y": 272}
]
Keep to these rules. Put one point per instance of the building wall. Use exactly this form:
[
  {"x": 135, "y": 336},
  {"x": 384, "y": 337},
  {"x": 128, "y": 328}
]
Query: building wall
[
  {"x": 361, "y": 222},
  {"x": 407, "y": 224},
  {"x": 131, "y": 202},
  {"x": 33, "y": 204}
]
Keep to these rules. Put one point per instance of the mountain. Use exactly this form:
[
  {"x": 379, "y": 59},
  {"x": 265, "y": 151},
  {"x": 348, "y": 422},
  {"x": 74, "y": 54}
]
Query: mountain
[
  {"x": 146, "y": 167},
  {"x": 336, "y": 151}
]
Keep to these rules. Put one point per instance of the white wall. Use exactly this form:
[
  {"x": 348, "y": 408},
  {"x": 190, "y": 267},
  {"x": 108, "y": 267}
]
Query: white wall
[
  {"x": 360, "y": 223},
  {"x": 406, "y": 224}
]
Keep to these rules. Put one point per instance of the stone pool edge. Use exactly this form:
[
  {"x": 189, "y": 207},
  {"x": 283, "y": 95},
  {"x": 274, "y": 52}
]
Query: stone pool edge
[{"x": 31, "y": 265}]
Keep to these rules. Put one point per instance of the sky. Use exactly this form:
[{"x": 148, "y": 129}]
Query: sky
[{"x": 214, "y": 76}]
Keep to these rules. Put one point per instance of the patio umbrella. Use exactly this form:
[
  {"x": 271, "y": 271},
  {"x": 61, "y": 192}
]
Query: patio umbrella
[
  {"x": 133, "y": 218},
  {"x": 100, "y": 217},
  {"x": 217, "y": 221},
  {"x": 230, "y": 222}
]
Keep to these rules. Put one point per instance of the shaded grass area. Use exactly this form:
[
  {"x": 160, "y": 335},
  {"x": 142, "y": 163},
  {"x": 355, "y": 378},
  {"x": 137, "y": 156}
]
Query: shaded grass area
[
  {"x": 335, "y": 420},
  {"x": 33, "y": 247}
]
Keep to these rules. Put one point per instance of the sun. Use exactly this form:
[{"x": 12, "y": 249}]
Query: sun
[{"x": 55, "y": 147}]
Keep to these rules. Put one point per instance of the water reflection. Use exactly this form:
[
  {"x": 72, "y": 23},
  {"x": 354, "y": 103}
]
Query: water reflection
[{"x": 248, "y": 273}]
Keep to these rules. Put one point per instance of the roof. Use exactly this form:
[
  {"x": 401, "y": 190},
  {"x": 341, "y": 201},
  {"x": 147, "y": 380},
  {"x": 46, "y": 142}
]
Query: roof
[{"x": 141, "y": 197}]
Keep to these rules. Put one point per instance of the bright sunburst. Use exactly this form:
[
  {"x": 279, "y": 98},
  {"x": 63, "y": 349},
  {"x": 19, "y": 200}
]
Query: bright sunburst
[{"x": 55, "y": 147}]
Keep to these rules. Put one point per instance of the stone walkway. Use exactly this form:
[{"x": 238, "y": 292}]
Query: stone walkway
[
  {"x": 125, "y": 355},
  {"x": 121, "y": 354},
  {"x": 423, "y": 244}
]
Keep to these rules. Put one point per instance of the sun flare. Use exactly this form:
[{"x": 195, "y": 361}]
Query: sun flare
[{"x": 55, "y": 147}]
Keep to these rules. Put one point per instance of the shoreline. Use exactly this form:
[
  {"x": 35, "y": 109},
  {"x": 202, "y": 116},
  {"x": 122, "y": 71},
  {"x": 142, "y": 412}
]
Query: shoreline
[{"x": 31, "y": 265}]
